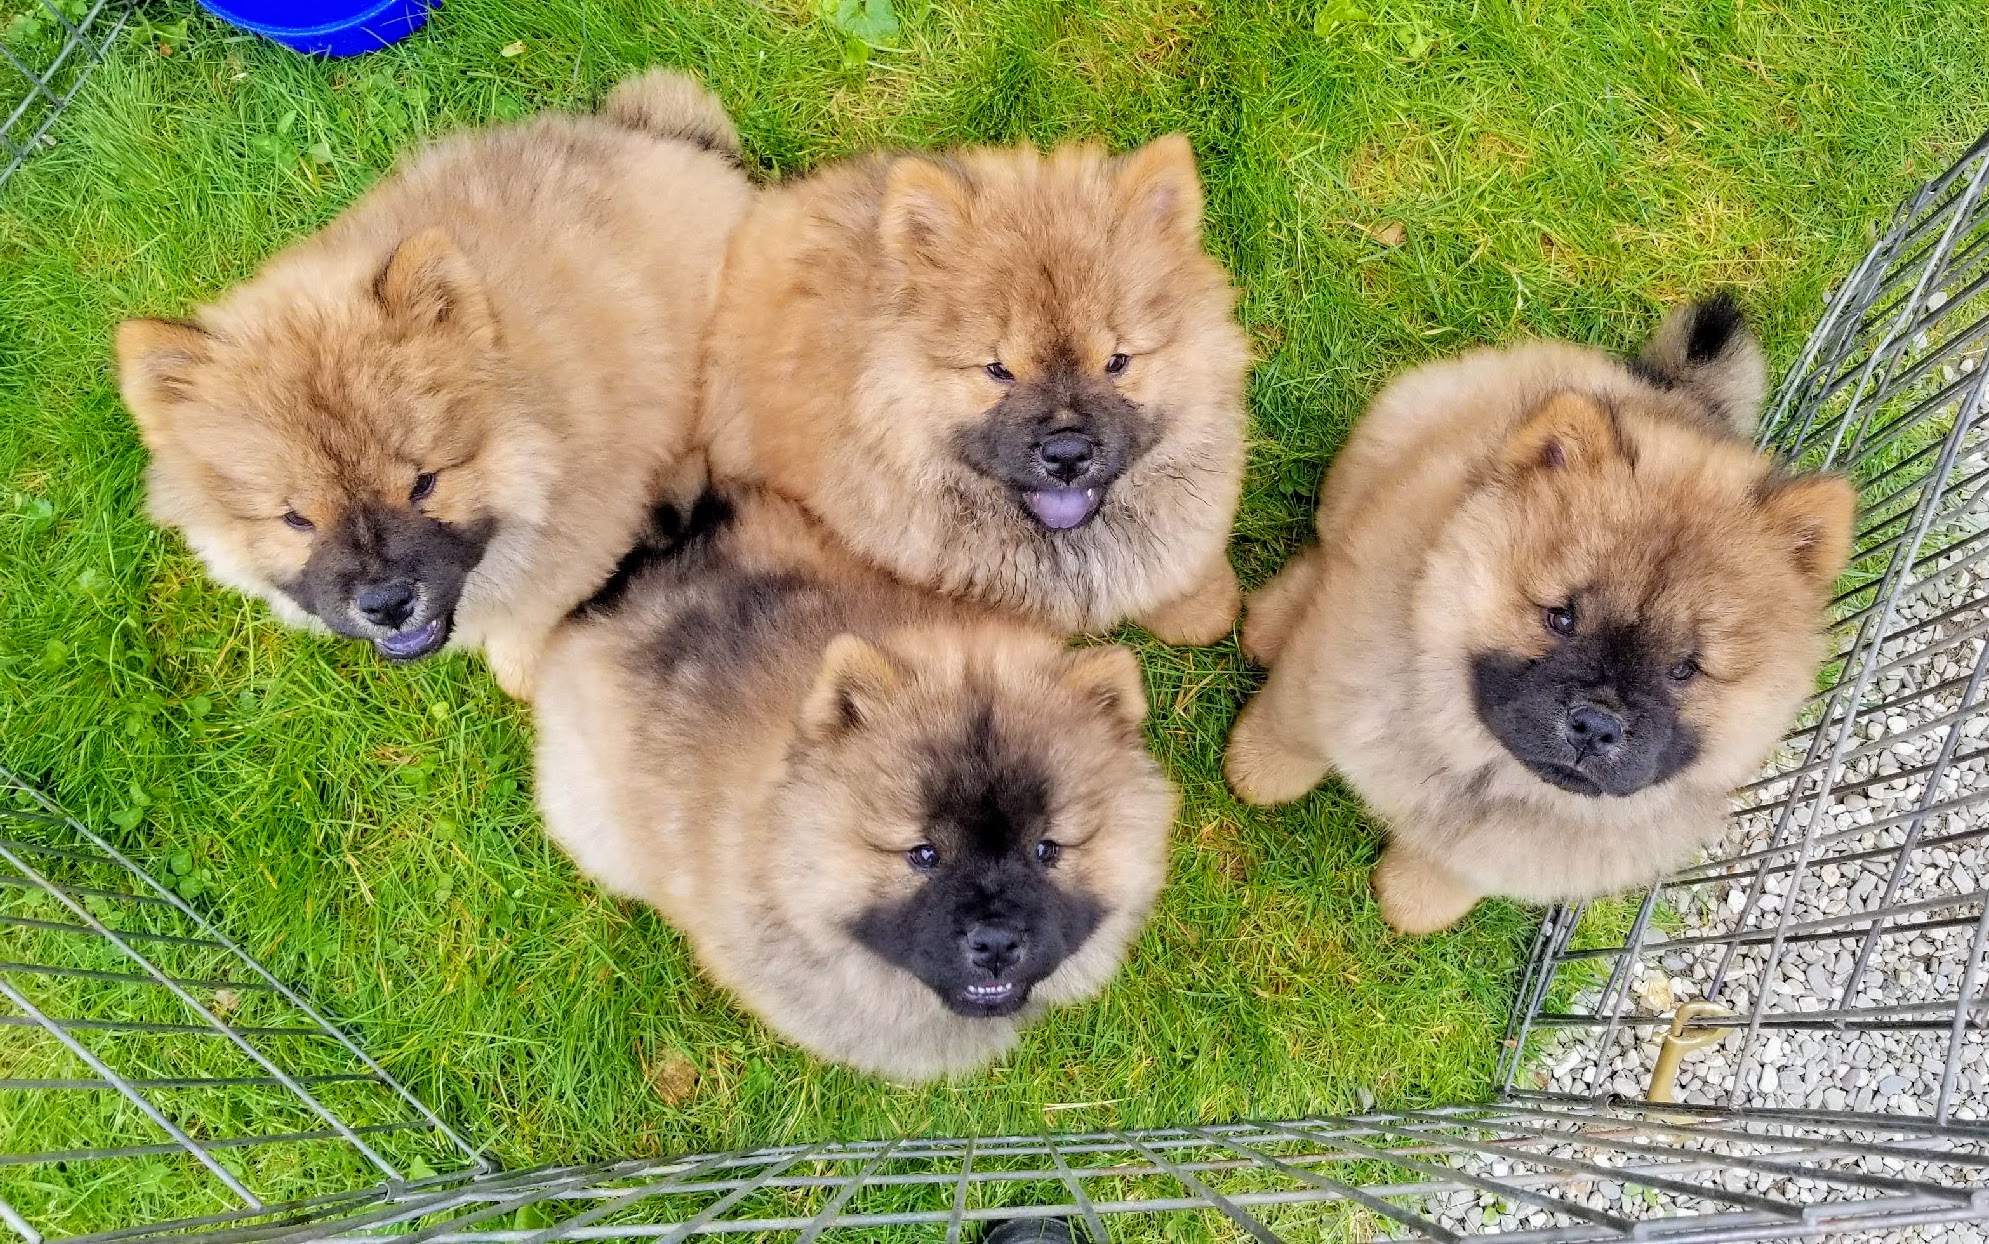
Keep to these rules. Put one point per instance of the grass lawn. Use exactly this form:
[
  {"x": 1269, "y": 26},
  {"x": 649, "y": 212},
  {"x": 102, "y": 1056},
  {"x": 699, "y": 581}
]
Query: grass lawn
[{"x": 1401, "y": 182}]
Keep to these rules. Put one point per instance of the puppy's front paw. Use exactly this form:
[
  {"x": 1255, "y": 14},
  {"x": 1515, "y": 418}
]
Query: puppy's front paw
[
  {"x": 1263, "y": 770},
  {"x": 1273, "y": 612},
  {"x": 1416, "y": 895},
  {"x": 1204, "y": 616},
  {"x": 514, "y": 665}
]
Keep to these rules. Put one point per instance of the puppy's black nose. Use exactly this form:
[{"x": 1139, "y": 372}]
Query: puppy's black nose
[
  {"x": 386, "y": 604},
  {"x": 1594, "y": 731},
  {"x": 993, "y": 948},
  {"x": 1066, "y": 455}
]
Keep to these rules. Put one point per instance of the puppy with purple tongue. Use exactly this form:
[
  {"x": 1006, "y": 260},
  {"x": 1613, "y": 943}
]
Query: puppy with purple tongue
[
  {"x": 1062, "y": 441},
  {"x": 1004, "y": 375},
  {"x": 442, "y": 419}
]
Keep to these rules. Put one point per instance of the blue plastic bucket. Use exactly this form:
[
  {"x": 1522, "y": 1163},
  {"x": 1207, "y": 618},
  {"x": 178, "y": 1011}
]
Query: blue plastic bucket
[{"x": 325, "y": 27}]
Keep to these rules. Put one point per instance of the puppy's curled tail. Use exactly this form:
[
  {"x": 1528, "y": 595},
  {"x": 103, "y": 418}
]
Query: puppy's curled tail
[
  {"x": 670, "y": 104},
  {"x": 1707, "y": 349}
]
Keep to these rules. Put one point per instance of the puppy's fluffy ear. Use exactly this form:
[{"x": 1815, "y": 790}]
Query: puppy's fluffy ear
[
  {"x": 1159, "y": 188},
  {"x": 925, "y": 205},
  {"x": 428, "y": 284},
  {"x": 156, "y": 364},
  {"x": 853, "y": 687},
  {"x": 1110, "y": 675},
  {"x": 1567, "y": 432},
  {"x": 1813, "y": 515}
]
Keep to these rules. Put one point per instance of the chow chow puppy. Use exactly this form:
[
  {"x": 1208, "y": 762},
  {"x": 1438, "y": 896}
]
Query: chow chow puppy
[
  {"x": 898, "y": 826},
  {"x": 1558, "y": 609},
  {"x": 998, "y": 374},
  {"x": 442, "y": 420}
]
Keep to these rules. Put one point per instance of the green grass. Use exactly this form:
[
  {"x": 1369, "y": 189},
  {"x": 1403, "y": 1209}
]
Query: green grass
[{"x": 1419, "y": 179}]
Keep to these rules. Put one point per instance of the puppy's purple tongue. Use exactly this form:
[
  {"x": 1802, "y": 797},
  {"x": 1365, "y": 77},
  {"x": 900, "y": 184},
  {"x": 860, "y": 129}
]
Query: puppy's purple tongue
[
  {"x": 1061, "y": 508},
  {"x": 406, "y": 645}
]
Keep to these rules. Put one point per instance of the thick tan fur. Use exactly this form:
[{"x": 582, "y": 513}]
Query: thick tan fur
[
  {"x": 518, "y": 309},
  {"x": 740, "y": 742},
  {"x": 861, "y": 306},
  {"x": 1472, "y": 492}
]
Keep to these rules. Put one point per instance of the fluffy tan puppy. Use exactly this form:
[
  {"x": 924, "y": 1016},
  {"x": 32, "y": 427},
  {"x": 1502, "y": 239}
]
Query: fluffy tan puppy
[
  {"x": 896, "y": 825},
  {"x": 441, "y": 420},
  {"x": 999, "y": 374},
  {"x": 1558, "y": 610}
]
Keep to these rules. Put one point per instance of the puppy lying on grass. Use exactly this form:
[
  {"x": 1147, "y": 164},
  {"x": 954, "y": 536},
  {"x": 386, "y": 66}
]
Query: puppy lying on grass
[{"x": 441, "y": 420}]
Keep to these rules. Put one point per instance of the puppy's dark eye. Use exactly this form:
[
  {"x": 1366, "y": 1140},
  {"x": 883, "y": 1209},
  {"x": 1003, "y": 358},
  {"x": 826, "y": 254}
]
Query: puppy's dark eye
[
  {"x": 424, "y": 484},
  {"x": 295, "y": 520},
  {"x": 923, "y": 857},
  {"x": 1048, "y": 853},
  {"x": 998, "y": 372},
  {"x": 1116, "y": 364},
  {"x": 1686, "y": 670},
  {"x": 1560, "y": 619}
]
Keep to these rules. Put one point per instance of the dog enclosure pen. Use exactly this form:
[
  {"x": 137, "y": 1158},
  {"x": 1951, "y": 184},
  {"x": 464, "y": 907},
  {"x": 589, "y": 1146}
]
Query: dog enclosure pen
[
  {"x": 49, "y": 48},
  {"x": 1663, "y": 1067}
]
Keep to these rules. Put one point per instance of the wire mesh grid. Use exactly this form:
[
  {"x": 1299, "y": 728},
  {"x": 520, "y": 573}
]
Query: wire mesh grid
[
  {"x": 49, "y": 47},
  {"x": 1784, "y": 1041},
  {"x": 1411, "y": 1175},
  {"x": 144, "y": 1054}
]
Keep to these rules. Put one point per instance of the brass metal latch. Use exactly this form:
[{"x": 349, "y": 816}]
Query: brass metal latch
[{"x": 1681, "y": 1040}]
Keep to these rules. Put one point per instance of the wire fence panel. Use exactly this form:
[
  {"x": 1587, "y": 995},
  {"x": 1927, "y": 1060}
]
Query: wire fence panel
[
  {"x": 46, "y": 51},
  {"x": 144, "y": 1056},
  {"x": 1563, "y": 1173}
]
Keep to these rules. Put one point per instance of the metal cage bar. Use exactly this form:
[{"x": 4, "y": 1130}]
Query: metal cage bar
[
  {"x": 46, "y": 59},
  {"x": 113, "y": 985},
  {"x": 1590, "y": 1173}
]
